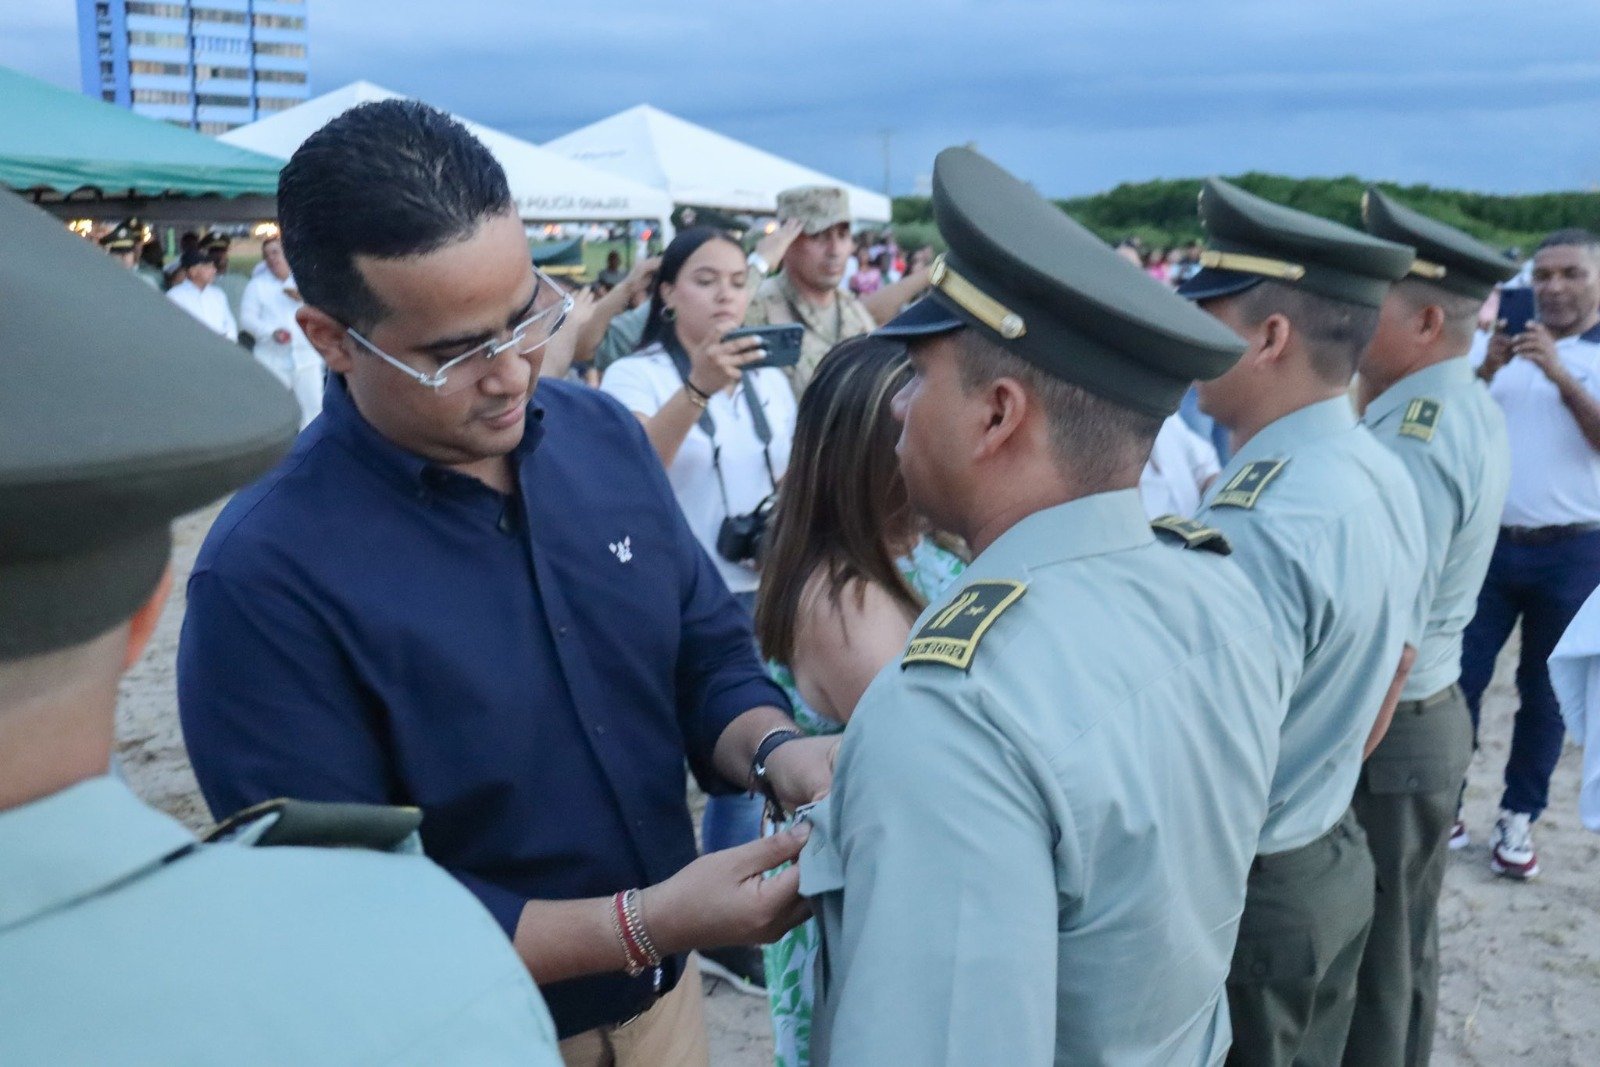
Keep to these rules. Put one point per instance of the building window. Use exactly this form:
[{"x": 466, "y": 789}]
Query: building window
[
  {"x": 222, "y": 45},
  {"x": 159, "y": 40},
  {"x": 293, "y": 51},
  {"x": 280, "y": 22},
  {"x": 285, "y": 77},
  {"x": 168, "y": 70},
  {"x": 108, "y": 95},
  {"x": 275, "y": 103},
  {"x": 165, "y": 11},
  {"x": 219, "y": 100},
  {"x": 205, "y": 73},
  {"x": 160, "y": 96},
  {"x": 232, "y": 18},
  {"x": 215, "y": 128}
]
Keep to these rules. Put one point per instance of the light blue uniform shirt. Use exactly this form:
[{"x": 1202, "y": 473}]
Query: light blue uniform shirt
[
  {"x": 1042, "y": 858},
  {"x": 124, "y": 941},
  {"x": 1326, "y": 523},
  {"x": 1451, "y": 438}
]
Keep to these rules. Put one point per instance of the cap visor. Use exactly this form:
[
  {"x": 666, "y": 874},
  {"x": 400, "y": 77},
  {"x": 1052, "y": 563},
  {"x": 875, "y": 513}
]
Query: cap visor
[
  {"x": 1210, "y": 283},
  {"x": 926, "y": 317}
]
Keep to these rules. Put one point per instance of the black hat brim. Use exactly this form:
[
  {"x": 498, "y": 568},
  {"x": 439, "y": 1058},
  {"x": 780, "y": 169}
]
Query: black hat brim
[
  {"x": 1210, "y": 282},
  {"x": 925, "y": 318}
]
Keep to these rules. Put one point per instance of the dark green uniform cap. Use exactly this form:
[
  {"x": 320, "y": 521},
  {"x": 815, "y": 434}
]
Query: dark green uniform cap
[
  {"x": 1446, "y": 257},
  {"x": 124, "y": 238},
  {"x": 1043, "y": 287},
  {"x": 1249, "y": 240},
  {"x": 119, "y": 413}
]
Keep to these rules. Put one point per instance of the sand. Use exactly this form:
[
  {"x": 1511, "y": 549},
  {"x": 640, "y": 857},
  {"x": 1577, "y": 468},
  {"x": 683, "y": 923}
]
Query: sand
[{"x": 1521, "y": 962}]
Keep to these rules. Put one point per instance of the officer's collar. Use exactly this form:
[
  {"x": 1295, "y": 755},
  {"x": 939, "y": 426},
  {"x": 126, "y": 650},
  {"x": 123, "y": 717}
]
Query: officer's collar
[
  {"x": 81, "y": 841},
  {"x": 1296, "y": 429},
  {"x": 1089, "y": 526},
  {"x": 1442, "y": 376}
]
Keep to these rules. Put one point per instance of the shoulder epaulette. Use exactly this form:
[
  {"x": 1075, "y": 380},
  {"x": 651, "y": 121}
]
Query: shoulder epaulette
[
  {"x": 1244, "y": 488},
  {"x": 1191, "y": 534},
  {"x": 319, "y": 825},
  {"x": 951, "y": 634},
  {"x": 1421, "y": 419}
]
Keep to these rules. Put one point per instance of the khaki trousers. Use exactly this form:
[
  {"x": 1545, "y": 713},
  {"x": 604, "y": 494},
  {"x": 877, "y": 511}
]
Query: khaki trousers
[{"x": 671, "y": 1034}]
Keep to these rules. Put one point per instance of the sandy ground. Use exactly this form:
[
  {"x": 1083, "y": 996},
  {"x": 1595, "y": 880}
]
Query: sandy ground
[{"x": 1521, "y": 963}]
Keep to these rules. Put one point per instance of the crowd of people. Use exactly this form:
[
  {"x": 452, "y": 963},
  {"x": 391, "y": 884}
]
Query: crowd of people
[{"x": 1081, "y": 648}]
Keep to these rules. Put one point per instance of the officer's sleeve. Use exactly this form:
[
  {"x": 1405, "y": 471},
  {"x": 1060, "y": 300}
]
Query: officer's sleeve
[
  {"x": 946, "y": 951},
  {"x": 1443, "y": 513},
  {"x": 1296, "y": 598}
]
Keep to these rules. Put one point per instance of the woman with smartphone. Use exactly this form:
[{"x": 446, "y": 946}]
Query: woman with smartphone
[{"x": 722, "y": 428}]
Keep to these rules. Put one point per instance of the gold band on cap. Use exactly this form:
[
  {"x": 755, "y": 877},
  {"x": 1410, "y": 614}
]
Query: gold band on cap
[
  {"x": 977, "y": 303},
  {"x": 1423, "y": 268},
  {"x": 1267, "y": 268}
]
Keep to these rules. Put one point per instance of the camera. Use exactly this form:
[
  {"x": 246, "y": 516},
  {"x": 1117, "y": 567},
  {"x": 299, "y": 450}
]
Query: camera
[{"x": 740, "y": 538}]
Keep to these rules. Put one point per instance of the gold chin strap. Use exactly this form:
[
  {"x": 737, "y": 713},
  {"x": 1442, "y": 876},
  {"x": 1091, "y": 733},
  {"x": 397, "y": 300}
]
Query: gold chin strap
[
  {"x": 1267, "y": 268},
  {"x": 1422, "y": 268},
  {"x": 977, "y": 303}
]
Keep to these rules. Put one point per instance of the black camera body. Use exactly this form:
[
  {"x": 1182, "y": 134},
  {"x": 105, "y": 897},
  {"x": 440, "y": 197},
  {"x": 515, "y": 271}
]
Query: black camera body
[{"x": 740, "y": 538}]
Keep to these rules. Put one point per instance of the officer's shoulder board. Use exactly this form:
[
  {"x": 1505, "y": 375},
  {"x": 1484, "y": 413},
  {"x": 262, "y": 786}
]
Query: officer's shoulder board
[
  {"x": 1190, "y": 534},
  {"x": 951, "y": 634},
  {"x": 319, "y": 825},
  {"x": 1421, "y": 419},
  {"x": 1245, "y": 487}
]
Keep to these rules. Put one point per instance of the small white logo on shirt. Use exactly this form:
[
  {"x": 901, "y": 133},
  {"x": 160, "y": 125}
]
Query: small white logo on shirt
[{"x": 622, "y": 549}]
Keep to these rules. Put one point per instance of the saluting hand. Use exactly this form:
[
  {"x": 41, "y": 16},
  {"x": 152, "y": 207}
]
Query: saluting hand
[{"x": 774, "y": 245}]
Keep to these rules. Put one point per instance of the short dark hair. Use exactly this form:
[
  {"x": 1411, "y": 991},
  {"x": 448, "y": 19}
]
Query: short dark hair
[
  {"x": 1460, "y": 311},
  {"x": 1336, "y": 332},
  {"x": 389, "y": 179},
  {"x": 1098, "y": 441},
  {"x": 1574, "y": 236}
]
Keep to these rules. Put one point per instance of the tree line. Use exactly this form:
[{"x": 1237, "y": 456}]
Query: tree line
[{"x": 1162, "y": 213}]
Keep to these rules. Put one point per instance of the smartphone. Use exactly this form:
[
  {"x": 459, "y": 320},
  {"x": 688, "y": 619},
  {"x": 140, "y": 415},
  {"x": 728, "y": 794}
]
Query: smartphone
[
  {"x": 1516, "y": 310},
  {"x": 781, "y": 342}
]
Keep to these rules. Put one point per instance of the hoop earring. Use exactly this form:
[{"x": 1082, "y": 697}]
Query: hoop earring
[{"x": 669, "y": 314}]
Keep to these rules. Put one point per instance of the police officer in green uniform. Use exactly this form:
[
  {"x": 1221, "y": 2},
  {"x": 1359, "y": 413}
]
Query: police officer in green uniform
[
  {"x": 1043, "y": 814},
  {"x": 1423, "y": 402},
  {"x": 1326, "y": 523},
  {"x": 123, "y": 939}
]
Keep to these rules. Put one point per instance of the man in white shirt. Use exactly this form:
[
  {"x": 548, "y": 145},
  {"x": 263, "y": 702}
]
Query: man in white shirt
[
  {"x": 267, "y": 312},
  {"x": 1181, "y": 468},
  {"x": 1547, "y": 559},
  {"x": 196, "y": 295}
]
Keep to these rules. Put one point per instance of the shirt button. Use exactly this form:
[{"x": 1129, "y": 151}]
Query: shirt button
[{"x": 599, "y": 731}]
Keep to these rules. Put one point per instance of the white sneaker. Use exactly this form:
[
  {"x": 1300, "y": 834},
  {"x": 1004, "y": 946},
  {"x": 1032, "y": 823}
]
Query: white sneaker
[{"x": 1511, "y": 846}]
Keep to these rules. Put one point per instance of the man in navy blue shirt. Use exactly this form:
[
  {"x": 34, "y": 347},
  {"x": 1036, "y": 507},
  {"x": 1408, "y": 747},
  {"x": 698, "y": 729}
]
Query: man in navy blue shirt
[{"x": 458, "y": 596}]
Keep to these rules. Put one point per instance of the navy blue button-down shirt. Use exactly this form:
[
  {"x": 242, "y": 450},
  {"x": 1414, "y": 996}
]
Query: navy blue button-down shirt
[{"x": 530, "y": 671}]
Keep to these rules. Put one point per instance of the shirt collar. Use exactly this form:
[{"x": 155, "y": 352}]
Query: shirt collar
[
  {"x": 78, "y": 842},
  {"x": 1088, "y": 526},
  {"x": 1592, "y": 334},
  {"x": 1298, "y": 428},
  {"x": 1440, "y": 377},
  {"x": 405, "y": 468}
]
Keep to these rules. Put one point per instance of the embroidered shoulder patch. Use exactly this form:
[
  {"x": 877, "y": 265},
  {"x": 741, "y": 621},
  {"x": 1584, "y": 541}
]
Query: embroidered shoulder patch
[
  {"x": 1422, "y": 417},
  {"x": 1191, "y": 534},
  {"x": 952, "y": 634},
  {"x": 1244, "y": 488}
]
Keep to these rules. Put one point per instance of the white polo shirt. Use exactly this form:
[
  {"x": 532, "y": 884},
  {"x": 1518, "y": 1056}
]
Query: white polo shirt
[
  {"x": 1555, "y": 473},
  {"x": 643, "y": 382},
  {"x": 209, "y": 305},
  {"x": 1182, "y": 464}
]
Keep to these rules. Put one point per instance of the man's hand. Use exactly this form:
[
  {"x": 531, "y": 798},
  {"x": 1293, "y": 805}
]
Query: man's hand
[
  {"x": 801, "y": 771},
  {"x": 640, "y": 278},
  {"x": 724, "y": 898},
  {"x": 774, "y": 245},
  {"x": 1498, "y": 355},
  {"x": 1539, "y": 348}
]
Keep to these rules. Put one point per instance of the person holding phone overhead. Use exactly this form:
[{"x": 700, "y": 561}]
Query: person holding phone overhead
[{"x": 722, "y": 429}]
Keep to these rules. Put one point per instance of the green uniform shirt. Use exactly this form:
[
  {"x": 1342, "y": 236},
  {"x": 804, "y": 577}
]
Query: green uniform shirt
[
  {"x": 125, "y": 941},
  {"x": 1042, "y": 857},
  {"x": 1325, "y": 522},
  {"x": 1451, "y": 438}
]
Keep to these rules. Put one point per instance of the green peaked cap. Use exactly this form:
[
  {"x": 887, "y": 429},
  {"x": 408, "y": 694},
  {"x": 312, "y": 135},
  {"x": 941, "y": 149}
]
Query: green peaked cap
[{"x": 1446, "y": 257}]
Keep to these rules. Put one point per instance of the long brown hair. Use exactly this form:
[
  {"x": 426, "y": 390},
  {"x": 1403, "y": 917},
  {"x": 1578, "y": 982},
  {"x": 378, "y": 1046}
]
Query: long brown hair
[{"x": 843, "y": 500}]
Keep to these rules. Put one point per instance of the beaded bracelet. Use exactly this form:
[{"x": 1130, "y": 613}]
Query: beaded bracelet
[
  {"x": 628, "y": 924},
  {"x": 634, "y": 964}
]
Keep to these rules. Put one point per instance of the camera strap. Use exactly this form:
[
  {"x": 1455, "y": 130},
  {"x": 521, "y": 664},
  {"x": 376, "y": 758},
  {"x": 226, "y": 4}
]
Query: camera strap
[{"x": 758, "y": 419}]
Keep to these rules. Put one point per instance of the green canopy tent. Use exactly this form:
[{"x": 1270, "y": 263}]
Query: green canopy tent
[
  {"x": 560, "y": 258},
  {"x": 76, "y": 157}
]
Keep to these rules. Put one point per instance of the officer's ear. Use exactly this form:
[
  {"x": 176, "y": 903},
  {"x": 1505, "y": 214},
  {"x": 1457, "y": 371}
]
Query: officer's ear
[
  {"x": 1007, "y": 404},
  {"x": 327, "y": 335},
  {"x": 1271, "y": 340},
  {"x": 1430, "y": 324}
]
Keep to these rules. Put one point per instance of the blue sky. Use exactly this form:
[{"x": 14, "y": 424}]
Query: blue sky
[{"x": 1073, "y": 96}]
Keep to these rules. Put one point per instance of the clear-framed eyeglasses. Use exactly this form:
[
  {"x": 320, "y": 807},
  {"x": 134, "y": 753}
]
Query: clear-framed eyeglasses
[{"x": 551, "y": 305}]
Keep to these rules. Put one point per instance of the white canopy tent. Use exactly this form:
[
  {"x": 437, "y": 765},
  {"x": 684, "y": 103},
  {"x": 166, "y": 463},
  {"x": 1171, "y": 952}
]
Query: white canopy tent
[
  {"x": 547, "y": 186},
  {"x": 697, "y": 166}
]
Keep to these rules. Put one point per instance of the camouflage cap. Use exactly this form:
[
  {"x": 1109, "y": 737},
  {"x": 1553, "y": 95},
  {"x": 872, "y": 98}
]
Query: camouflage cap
[{"x": 818, "y": 207}]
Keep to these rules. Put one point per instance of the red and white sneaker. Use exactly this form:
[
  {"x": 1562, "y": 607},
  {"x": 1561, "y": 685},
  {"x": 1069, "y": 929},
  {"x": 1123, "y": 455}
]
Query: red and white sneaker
[
  {"x": 1459, "y": 838},
  {"x": 1511, "y": 848}
]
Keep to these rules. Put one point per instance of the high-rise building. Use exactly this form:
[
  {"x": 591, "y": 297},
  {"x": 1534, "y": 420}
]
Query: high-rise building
[{"x": 209, "y": 65}]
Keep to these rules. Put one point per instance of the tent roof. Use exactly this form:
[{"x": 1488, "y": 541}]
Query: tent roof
[
  {"x": 59, "y": 142},
  {"x": 699, "y": 166},
  {"x": 546, "y": 186}
]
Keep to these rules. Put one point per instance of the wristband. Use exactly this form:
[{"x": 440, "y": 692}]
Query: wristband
[
  {"x": 769, "y": 744},
  {"x": 695, "y": 394},
  {"x": 759, "y": 262}
]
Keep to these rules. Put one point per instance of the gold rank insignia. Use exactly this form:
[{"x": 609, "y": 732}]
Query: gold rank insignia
[
  {"x": 1244, "y": 488},
  {"x": 1191, "y": 534},
  {"x": 1422, "y": 416},
  {"x": 951, "y": 636}
]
